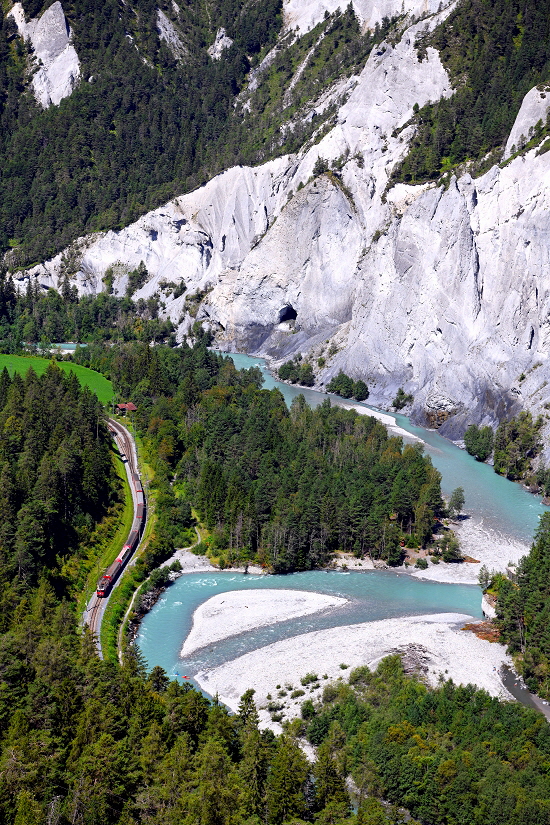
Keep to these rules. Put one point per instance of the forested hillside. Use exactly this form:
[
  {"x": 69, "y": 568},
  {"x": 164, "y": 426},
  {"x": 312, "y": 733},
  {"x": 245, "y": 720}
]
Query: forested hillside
[
  {"x": 143, "y": 126},
  {"x": 56, "y": 482},
  {"x": 38, "y": 317},
  {"x": 523, "y": 610},
  {"x": 452, "y": 756},
  {"x": 284, "y": 487},
  {"x": 495, "y": 53}
]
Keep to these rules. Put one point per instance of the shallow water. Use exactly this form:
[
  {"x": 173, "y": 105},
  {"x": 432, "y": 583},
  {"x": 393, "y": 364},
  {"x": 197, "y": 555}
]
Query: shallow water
[
  {"x": 374, "y": 594},
  {"x": 503, "y": 505}
]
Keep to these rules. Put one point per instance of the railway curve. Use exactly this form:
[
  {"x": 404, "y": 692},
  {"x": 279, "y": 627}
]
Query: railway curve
[{"x": 95, "y": 609}]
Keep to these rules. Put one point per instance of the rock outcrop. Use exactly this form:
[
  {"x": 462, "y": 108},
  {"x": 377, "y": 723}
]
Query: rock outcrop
[
  {"x": 220, "y": 44},
  {"x": 168, "y": 32},
  {"x": 304, "y": 14},
  {"x": 56, "y": 68},
  {"x": 440, "y": 290},
  {"x": 535, "y": 108}
]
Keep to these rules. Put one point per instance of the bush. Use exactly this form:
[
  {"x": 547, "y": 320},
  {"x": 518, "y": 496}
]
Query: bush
[
  {"x": 343, "y": 385},
  {"x": 422, "y": 564},
  {"x": 296, "y": 693},
  {"x": 297, "y": 373},
  {"x": 330, "y": 692},
  {"x": 308, "y": 709},
  {"x": 479, "y": 442},
  {"x": 401, "y": 399},
  {"x": 309, "y": 678}
]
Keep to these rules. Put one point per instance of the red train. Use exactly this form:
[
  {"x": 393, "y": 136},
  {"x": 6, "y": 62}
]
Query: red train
[{"x": 111, "y": 574}]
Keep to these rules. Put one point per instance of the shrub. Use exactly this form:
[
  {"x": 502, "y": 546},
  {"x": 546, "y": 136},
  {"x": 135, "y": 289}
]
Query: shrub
[
  {"x": 296, "y": 693},
  {"x": 309, "y": 678},
  {"x": 401, "y": 399}
]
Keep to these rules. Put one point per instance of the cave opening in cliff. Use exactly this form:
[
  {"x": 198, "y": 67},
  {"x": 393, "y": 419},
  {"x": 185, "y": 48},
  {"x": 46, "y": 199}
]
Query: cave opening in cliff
[{"x": 287, "y": 313}]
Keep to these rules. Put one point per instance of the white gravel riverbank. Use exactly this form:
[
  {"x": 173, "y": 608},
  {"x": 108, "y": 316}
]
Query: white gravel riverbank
[
  {"x": 485, "y": 544},
  {"x": 228, "y": 614},
  {"x": 385, "y": 418},
  {"x": 435, "y": 643}
]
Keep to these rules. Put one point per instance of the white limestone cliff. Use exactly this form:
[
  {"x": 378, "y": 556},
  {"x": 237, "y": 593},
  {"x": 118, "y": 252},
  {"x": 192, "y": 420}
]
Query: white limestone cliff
[
  {"x": 443, "y": 291},
  {"x": 56, "y": 68},
  {"x": 535, "y": 108},
  {"x": 168, "y": 32},
  {"x": 304, "y": 14},
  {"x": 220, "y": 44}
]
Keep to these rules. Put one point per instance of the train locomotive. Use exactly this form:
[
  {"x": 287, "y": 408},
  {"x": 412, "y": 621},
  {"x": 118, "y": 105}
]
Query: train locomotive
[{"x": 110, "y": 576}]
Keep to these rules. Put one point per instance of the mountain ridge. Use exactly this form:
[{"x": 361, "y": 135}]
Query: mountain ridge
[{"x": 320, "y": 253}]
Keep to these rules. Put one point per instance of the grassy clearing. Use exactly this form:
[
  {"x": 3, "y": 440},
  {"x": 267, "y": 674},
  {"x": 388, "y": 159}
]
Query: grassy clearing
[
  {"x": 106, "y": 542},
  {"x": 87, "y": 378}
]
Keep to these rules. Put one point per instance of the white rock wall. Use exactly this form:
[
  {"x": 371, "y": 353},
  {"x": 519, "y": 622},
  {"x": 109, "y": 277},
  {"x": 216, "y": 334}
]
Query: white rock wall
[
  {"x": 168, "y": 32},
  {"x": 443, "y": 292},
  {"x": 305, "y": 14},
  {"x": 56, "y": 61}
]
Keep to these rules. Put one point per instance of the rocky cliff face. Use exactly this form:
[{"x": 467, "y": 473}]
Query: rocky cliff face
[
  {"x": 443, "y": 291},
  {"x": 55, "y": 66}
]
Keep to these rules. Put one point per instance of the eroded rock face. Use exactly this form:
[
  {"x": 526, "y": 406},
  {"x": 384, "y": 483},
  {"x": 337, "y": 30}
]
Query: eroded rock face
[
  {"x": 443, "y": 292},
  {"x": 220, "y": 44},
  {"x": 58, "y": 67},
  {"x": 535, "y": 108},
  {"x": 304, "y": 14},
  {"x": 168, "y": 32}
]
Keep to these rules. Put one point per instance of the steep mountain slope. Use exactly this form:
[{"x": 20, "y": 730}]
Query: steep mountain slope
[{"x": 440, "y": 288}]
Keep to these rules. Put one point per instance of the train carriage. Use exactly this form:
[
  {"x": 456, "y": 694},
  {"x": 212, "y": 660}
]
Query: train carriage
[{"x": 110, "y": 576}]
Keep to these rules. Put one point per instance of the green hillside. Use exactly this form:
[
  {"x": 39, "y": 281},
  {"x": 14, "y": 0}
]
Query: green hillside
[{"x": 87, "y": 378}]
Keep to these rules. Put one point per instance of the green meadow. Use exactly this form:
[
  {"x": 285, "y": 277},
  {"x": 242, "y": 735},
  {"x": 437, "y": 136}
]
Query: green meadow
[{"x": 87, "y": 378}]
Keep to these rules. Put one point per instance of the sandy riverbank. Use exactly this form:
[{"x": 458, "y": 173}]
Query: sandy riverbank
[
  {"x": 485, "y": 544},
  {"x": 434, "y": 642},
  {"x": 228, "y": 614},
  {"x": 190, "y": 563},
  {"x": 385, "y": 418}
]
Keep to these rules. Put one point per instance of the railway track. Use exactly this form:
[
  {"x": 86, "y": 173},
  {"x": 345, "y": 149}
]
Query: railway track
[{"x": 93, "y": 615}]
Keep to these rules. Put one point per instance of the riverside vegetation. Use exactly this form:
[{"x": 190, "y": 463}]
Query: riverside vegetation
[
  {"x": 90, "y": 741},
  {"x": 523, "y": 609},
  {"x": 514, "y": 447},
  {"x": 285, "y": 488}
]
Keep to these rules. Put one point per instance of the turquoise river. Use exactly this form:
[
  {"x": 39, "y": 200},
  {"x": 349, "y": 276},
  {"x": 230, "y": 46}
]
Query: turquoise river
[{"x": 372, "y": 595}]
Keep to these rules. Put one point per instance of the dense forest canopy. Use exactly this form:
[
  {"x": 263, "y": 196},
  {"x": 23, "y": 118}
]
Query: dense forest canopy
[
  {"x": 40, "y": 318},
  {"x": 523, "y": 610},
  {"x": 495, "y": 52},
  {"x": 285, "y": 487},
  {"x": 451, "y": 756},
  {"x": 56, "y": 479}
]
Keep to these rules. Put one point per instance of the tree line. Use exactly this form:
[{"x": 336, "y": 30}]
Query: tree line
[
  {"x": 283, "y": 487},
  {"x": 56, "y": 481},
  {"x": 35, "y": 318},
  {"x": 495, "y": 52}
]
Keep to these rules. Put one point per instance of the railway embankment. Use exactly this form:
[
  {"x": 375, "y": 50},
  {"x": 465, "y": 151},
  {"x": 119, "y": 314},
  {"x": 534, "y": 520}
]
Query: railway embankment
[{"x": 107, "y": 582}]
